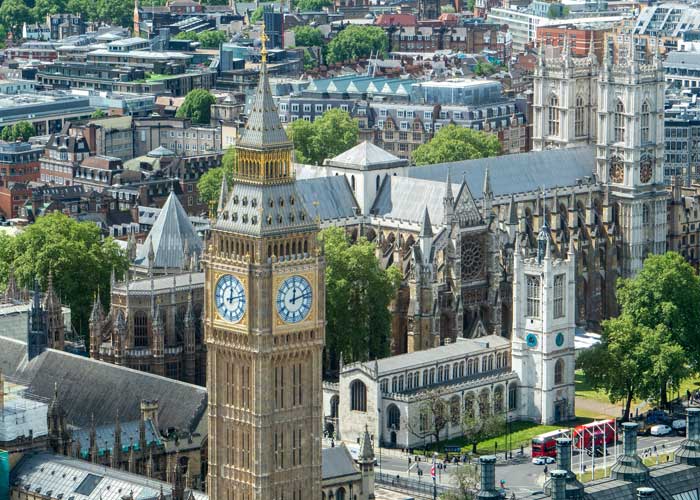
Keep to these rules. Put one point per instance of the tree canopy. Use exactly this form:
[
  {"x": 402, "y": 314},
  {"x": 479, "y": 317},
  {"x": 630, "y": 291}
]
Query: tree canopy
[
  {"x": 98, "y": 113},
  {"x": 209, "y": 184},
  {"x": 311, "y": 5},
  {"x": 208, "y": 39},
  {"x": 358, "y": 294},
  {"x": 356, "y": 42},
  {"x": 652, "y": 345},
  {"x": 453, "y": 143},
  {"x": 21, "y": 131},
  {"x": 197, "y": 106},
  {"x": 331, "y": 134},
  {"x": 77, "y": 255},
  {"x": 307, "y": 36}
]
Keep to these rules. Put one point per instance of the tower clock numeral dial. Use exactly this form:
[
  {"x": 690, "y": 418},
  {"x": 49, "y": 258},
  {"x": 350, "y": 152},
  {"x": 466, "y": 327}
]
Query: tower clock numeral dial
[
  {"x": 230, "y": 298},
  {"x": 294, "y": 299}
]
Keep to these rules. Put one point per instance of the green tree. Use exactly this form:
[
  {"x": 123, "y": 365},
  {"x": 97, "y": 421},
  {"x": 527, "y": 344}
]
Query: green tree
[
  {"x": 21, "y": 131},
  {"x": 77, "y": 255},
  {"x": 666, "y": 292},
  {"x": 356, "y": 42},
  {"x": 358, "y": 293},
  {"x": 431, "y": 418},
  {"x": 211, "y": 39},
  {"x": 209, "y": 184},
  {"x": 13, "y": 14},
  {"x": 43, "y": 7},
  {"x": 470, "y": 5},
  {"x": 197, "y": 106},
  {"x": 479, "y": 428},
  {"x": 116, "y": 12},
  {"x": 186, "y": 35},
  {"x": 454, "y": 143},
  {"x": 98, "y": 113},
  {"x": 307, "y": 36},
  {"x": 467, "y": 478},
  {"x": 257, "y": 15},
  {"x": 82, "y": 7},
  {"x": 331, "y": 134},
  {"x": 311, "y": 5}
]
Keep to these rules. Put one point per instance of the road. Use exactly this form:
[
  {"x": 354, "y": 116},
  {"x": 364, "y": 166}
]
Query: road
[{"x": 520, "y": 474}]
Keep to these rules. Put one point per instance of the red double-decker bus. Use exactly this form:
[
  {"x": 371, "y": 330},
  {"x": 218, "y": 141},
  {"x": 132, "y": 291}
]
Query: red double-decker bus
[
  {"x": 545, "y": 445},
  {"x": 599, "y": 433}
]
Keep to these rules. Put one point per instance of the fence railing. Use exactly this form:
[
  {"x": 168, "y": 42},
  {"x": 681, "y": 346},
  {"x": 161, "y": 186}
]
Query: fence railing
[{"x": 424, "y": 486}]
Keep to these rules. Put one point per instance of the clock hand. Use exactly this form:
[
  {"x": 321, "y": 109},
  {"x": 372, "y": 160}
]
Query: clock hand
[
  {"x": 230, "y": 297},
  {"x": 294, "y": 296}
]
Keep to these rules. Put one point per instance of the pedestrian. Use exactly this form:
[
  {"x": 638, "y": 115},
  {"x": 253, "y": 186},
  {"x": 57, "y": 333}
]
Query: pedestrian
[{"x": 546, "y": 470}]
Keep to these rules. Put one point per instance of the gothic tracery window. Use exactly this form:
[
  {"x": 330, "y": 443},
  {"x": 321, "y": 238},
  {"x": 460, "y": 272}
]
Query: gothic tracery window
[
  {"x": 578, "y": 117},
  {"x": 645, "y": 120},
  {"x": 553, "y": 115},
  {"x": 533, "y": 296},
  {"x": 559, "y": 296},
  {"x": 358, "y": 396},
  {"x": 619, "y": 119},
  {"x": 472, "y": 259},
  {"x": 140, "y": 329},
  {"x": 559, "y": 371}
]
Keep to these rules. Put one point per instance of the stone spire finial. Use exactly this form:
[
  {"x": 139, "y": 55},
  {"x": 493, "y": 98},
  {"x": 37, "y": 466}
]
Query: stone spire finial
[
  {"x": 426, "y": 230},
  {"x": 223, "y": 195}
]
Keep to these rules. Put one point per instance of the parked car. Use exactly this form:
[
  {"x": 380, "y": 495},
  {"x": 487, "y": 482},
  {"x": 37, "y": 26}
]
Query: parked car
[
  {"x": 660, "y": 430},
  {"x": 543, "y": 460},
  {"x": 679, "y": 426}
]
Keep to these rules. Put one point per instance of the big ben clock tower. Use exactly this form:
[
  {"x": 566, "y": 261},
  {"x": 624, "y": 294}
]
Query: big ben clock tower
[{"x": 264, "y": 323}]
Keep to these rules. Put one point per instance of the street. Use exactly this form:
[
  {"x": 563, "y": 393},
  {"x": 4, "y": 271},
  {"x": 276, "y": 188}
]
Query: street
[{"x": 520, "y": 474}]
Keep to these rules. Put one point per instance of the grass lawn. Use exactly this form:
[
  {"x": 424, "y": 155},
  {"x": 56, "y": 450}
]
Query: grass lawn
[
  {"x": 601, "y": 473},
  {"x": 583, "y": 390},
  {"x": 521, "y": 433}
]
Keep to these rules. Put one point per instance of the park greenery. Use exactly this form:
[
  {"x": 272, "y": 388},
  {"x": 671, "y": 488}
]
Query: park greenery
[
  {"x": 331, "y": 134},
  {"x": 197, "y": 106},
  {"x": 209, "y": 184},
  {"x": 20, "y": 131},
  {"x": 358, "y": 294},
  {"x": 454, "y": 143},
  {"x": 207, "y": 39},
  {"x": 80, "y": 259},
  {"x": 307, "y": 36},
  {"x": 311, "y": 5},
  {"x": 98, "y": 113},
  {"x": 651, "y": 347},
  {"x": 357, "y": 42}
]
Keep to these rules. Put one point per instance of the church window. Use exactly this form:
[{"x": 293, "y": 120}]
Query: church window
[
  {"x": 409, "y": 381},
  {"x": 140, "y": 329},
  {"x": 400, "y": 383},
  {"x": 423, "y": 425},
  {"x": 512, "y": 396},
  {"x": 461, "y": 369},
  {"x": 490, "y": 362},
  {"x": 619, "y": 122},
  {"x": 440, "y": 370},
  {"x": 484, "y": 364},
  {"x": 447, "y": 372},
  {"x": 393, "y": 384},
  {"x": 454, "y": 410},
  {"x": 559, "y": 296},
  {"x": 559, "y": 371},
  {"x": 645, "y": 121},
  {"x": 553, "y": 115},
  {"x": 645, "y": 214},
  {"x": 358, "y": 396},
  {"x": 393, "y": 417},
  {"x": 416, "y": 379},
  {"x": 425, "y": 377},
  {"x": 484, "y": 403},
  {"x": 533, "y": 296},
  {"x": 498, "y": 399},
  {"x": 455, "y": 371},
  {"x": 384, "y": 385},
  {"x": 335, "y": 403},
  {"x": 469, "y": 405},
  {"x": 432, "y": 376},
  {"x": 578, "y": 117}
]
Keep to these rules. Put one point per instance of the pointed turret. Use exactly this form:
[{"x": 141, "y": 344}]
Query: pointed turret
[
  {"x": 97, "y": 314},
  {"x": 151, "y": 257},
  {"x": 54, "y": 316},
  {"x": 487, "y": 191},
  {"x": 223, "y": 196},
  {"x": 367, "y": 452},
  {"x": 448, "y": 200},
  {"x": 426, "y": 230},
  {"x": 37, "y": 340}
]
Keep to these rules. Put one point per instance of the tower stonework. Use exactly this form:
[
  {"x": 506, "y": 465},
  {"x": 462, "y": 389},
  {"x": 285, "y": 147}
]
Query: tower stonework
[
  {"x": 630, "y": 151},
  {"x": 543, "y": 334},
  {"x": 264, "y": 318}
]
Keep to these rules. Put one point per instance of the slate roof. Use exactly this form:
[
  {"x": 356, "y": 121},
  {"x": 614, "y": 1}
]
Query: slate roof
[
  {"x": 337, "y": 463},
  {"x": 518, "y": 173},
  {"x": 168, "y": 236},
  {"x": 333, "y": 194},
  {"x": 366, "y": 156},
  {"x": 264, "y": 128},
  {"x": 404, "y": 198},
  {"x": 54, "y": 475},
  {"x": 87, "y": 386},
  {"x": 104, "y": 436}
]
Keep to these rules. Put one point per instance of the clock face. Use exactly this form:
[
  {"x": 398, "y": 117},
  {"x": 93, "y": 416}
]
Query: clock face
[
  {"x": 230, "y": 298},
  {"x": 531, "y": 340},
  {"x": 645, "y": 170},
  {"x": 559, "y": 339},
  {"x": 294, "y": 299}
]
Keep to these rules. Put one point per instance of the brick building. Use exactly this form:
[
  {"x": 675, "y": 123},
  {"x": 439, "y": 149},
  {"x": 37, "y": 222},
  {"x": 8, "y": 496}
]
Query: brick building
[{"x": 62, "y": 155}]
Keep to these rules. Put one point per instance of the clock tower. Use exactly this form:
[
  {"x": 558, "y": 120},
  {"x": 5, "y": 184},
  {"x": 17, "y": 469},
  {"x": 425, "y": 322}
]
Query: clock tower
[{"x": 264, "y": 323}]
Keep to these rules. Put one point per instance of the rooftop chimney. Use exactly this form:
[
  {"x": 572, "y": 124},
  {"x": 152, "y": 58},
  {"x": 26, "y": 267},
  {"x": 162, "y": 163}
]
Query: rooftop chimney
[
  {"x": 558, "y": 484},
  {"x": 573, "y": 488},
  {"x": 629, "y": 467},
  {"x": 646, "y": 493},
  {"x": 689, "y": 450},
  {"x": 488, "y": 479}
]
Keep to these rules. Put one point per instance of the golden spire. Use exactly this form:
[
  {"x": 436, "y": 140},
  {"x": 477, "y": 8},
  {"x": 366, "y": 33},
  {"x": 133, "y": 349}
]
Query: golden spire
[{"x": 263, "y": 49}]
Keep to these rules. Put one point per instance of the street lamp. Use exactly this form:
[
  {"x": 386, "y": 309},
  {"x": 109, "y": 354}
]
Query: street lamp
[{"x": 433, "y": 473}]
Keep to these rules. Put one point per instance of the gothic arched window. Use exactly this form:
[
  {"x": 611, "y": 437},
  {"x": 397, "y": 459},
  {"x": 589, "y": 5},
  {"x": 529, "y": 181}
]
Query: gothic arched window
[
  {"x": 140, "y": 329},
  {"x": 619, "y": 125},
  {"x": 553, "y": 115},
  {"x": 578, "y": 117},
  {"x": 645, "y": 121},
  {"x": 358, "y": 396},
  {"x": 559, "y": 371},
  {"x": 393, "y": 420}
]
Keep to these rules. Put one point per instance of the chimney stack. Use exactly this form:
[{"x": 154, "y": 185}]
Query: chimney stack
[
  {"x": 689, "y": 450},
  {"x": 573, "y": 488},
  {"x": 646, "y": 493},
  {"x": 558, "y": 484},
  {"x": 629, "y": 467},
  {"x": 488, "y": 479}
]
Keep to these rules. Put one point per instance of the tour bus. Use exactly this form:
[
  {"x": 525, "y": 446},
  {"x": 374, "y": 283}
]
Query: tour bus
[{"x": 545, "y": 445}]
